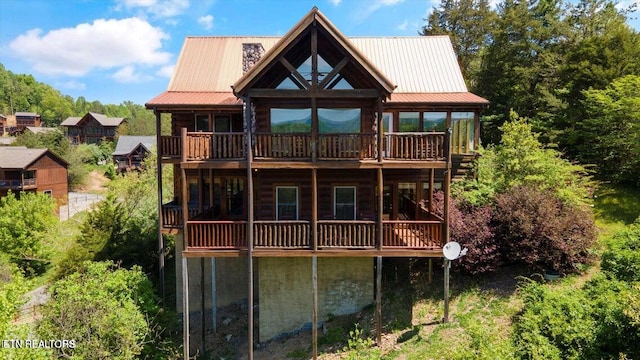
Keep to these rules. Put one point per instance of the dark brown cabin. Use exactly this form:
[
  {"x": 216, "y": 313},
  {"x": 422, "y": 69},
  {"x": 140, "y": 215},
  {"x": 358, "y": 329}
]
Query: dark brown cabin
[{"x": 313, "y": 144}]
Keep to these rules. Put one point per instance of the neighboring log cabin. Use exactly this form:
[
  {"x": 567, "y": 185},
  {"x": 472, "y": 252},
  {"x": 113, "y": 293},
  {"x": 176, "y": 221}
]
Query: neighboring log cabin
[
  {"x": 91, "y": 128},
  {"x": 299, "y": 159},
  {"x": 131, "y": 151},
  {"x": 33, "y": 170}
]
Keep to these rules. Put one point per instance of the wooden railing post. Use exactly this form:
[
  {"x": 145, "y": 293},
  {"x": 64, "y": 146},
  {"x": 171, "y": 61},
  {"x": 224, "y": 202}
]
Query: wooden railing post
[{"x": 183, "y": 136}]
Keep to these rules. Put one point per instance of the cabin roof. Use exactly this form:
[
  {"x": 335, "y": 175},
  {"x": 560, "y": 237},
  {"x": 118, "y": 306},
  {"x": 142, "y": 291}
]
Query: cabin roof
[
  {"x": 40, "y": 129},
  {"x": 102, "y": 119},
  {"x": 423, "y": 67},
  {"x": 128, "y": 143},
  {"x": 18, "y": 157},
  {"x": 26, "y": 114}
]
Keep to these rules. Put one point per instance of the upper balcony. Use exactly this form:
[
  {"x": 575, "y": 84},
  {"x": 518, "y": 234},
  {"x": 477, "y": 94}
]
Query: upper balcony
[
  {"x": 18, "y": 184},
  {"x": 210, "y": 146}
]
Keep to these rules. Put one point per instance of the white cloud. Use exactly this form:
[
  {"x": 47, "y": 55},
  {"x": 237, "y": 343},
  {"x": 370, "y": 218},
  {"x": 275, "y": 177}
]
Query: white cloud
[
  {"x": 335, "y": 2},
  {"x": 104, "y": 44},
  {"x": 159, "y": 8},
  {"x": 128, "y": 75},
  {"x": 72, "y": 85},
  {"x": 166, "y": 71},
  {"x": 403, "y": 26},
  {"x": 206, "y": 21},
  {"x": 375, "y": 6}
]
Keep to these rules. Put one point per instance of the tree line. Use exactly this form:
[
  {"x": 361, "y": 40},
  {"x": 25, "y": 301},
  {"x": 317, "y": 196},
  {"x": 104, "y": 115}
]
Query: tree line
[
  {"x": 21, "y": 92},
  {"x": 571, "y": 68}
]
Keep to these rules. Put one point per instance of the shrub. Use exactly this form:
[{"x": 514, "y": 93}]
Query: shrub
[
  {"x": 536, "y": 228},
  {"x": 469, "y": 225},
  {"x": 111, "y": 312},
  {"x": 24, "y": 227},
  {"x": 554, "y": 324},
  {"x": 622, "y": 259}
]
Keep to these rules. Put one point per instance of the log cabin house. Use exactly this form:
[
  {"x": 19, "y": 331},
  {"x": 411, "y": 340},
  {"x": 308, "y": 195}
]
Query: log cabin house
[
  {"x": 91, "y": 128},
  {"x": 131, "y": 151},
  {"x": 33, "y": 170},
  {"x": 301, "y": 161}
]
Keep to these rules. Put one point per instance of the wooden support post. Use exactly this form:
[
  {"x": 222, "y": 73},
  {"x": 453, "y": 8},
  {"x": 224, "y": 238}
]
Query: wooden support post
[
  {"x": 185, "y": 208},
  {"x": 380, "y": 129},
  {"x": 380, "y": 224},
  {"x": 432, "y": 176},
  {"x": 200, "y": 191},
  {"x": 447, "y": 265},
  {"x": 160, "y": 237},
  {"x": 379, "y": 300},
  {"x": 247, "y": 115},
  {"x": 185, "y": 308},
  {"x": 430, "y": 275},
  {"x": 314, "y": 208},
  {"x": 314, "y": 271},
  {"x": 214, "y": 296},
  {"x": 203, "y": 324}
]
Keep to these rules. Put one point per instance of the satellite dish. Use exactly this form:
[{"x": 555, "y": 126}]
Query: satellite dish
[{"x": 451, "y": 250}]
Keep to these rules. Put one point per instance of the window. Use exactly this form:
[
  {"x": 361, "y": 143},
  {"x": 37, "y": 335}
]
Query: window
[
  {"x": 434, "y": 121},
  {"x": 235, "y": 196},
  {"x": 48, "y": 192},
  {"x": 290, "y": 120},
  {"x": 344, "y": 200},
  {"x": 462, "y": 132},
  {"x": 409, "y": 121},
  {"x": 202, "y": 122},
  {"x": 287, "y": 203},
  {"x": 339, "y": 120},
  {"x": 222, "y": 123}
]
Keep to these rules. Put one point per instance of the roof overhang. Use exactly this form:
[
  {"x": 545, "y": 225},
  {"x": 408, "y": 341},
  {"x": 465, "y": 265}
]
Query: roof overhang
[{"x": 314, "y": 16}]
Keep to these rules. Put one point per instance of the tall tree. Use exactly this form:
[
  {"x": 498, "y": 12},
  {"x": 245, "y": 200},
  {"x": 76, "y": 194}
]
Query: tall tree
[
  {"x": 468, "y": 24},
  {"x": 519, "y": 68}
]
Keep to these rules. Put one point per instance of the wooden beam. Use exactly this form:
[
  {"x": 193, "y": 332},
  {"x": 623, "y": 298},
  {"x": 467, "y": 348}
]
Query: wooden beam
[
  {"x": 314, "y": 57},
  {"x": 333, "y": 72},
  {"x": 379, "y": 300},
  {"x": 185, "y": 308},
  {"x": 249, "y": 225},
  {"x": 160, "y": 237},
  {"x": 314, "y": 281},
  {"x": 294, "y": 72},
  {"x": 318, "y": 93}
]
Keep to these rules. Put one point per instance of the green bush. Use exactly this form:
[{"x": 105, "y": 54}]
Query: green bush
[
  {"x": 622, "y": 259},
  {"x": 554, "y": 324},
  {"x": 538, "y": 229},
  {"x": 111, "y": 312},
  {"x": 25, "y": 224}
]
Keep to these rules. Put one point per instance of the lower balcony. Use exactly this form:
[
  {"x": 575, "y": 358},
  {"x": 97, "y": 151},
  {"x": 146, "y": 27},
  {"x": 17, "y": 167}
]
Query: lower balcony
[
  {"x": 172, "y": 215},
  {"x": 18, "y": 184},
  {"x": 333, "y": 237}
]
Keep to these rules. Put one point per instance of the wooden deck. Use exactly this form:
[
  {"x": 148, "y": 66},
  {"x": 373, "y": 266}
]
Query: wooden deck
[
  {"x": 332, "y": 238},
  {"x": 274, "y": 147}
]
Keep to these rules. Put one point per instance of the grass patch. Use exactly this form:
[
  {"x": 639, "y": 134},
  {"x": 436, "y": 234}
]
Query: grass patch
[{"x": 615, "y": 207}]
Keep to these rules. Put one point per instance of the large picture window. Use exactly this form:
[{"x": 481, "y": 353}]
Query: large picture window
[
  {"x": 409, "y": 122},
  {"x": 462, "y": 132},
  {"x": 434, "y": 121},
  {"x": 287, "y": 203},
  {"x": 290, "y": 120},
  {"x": 344, "y": 200},
  {"x": 344, "y": 121}
]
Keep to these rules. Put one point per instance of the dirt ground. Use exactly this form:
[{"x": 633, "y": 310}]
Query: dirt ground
[{"x": 95, "y": 182}]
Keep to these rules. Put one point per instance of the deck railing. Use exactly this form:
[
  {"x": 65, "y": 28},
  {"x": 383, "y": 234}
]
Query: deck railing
[
  {"x": 346, "y": 146},
  {"x": 231, "y": 235},
  {"x": 17, "y": 183},
  {"x": 332, "y": 234},
  {"x": 214, "y": 146},
  {"x": 282, "y": 146},
  {"x": 282, "y": 234},
  {"x": 415, "y": 146},
  {"x": 347, "y": 234},
  {"x": 201, "y": 146},
  {"x": 172, "y": 215},
  {"x": 412, "y": 234},
  {"x": 171, "y": 146}
]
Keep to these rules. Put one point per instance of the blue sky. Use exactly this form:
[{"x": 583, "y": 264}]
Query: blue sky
[{"x": 117, "y": 50}]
